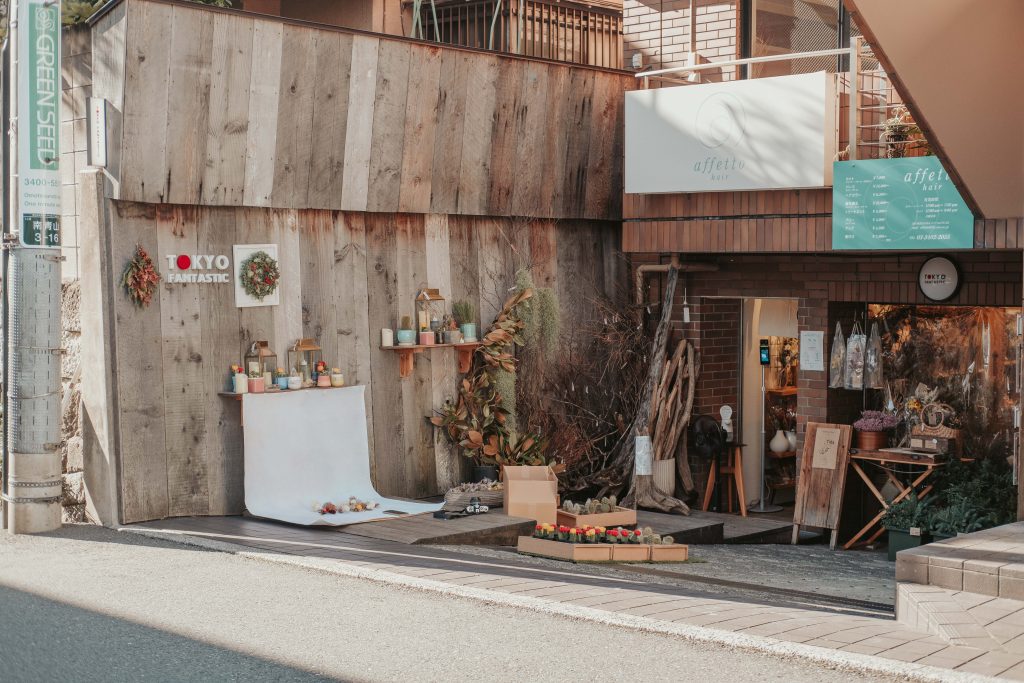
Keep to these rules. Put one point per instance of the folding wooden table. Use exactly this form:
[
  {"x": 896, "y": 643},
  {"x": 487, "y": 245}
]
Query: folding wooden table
[{"x": 919, "y": 484}]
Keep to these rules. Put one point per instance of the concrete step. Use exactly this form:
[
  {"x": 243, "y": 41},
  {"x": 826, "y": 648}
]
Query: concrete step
[{"x": 962, "y": 618}]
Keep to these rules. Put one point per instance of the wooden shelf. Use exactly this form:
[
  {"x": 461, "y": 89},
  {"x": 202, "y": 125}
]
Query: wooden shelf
[{"x": 406, "y": 358}]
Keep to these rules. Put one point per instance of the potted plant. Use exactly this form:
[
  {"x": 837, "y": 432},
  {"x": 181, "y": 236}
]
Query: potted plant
[
  {"x": 907, "y": 524},
  {"x": 465, "y": 316},
  {"x": 452, "y": 335},
  {"x": 256, "y": 382},
  {"x": 962, "y": 517},
  {"x": 406, "y": 335},
  {"x": 873, "y": 429}
]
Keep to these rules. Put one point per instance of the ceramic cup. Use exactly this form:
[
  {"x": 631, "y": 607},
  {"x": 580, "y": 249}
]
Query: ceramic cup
[
  {"x": 294, "y": 382},
  {"x": 337, "y": 379}
]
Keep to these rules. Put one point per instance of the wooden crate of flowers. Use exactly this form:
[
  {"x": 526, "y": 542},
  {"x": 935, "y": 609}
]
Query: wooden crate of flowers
[
  {"x": 599, "y": 544},
  {"x": 490, "y": 493},
  {"x": 595, "y": 513}
]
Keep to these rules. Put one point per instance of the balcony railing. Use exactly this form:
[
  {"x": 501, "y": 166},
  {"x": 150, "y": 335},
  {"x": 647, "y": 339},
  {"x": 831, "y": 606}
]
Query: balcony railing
[{"x": 560, "y": 31}]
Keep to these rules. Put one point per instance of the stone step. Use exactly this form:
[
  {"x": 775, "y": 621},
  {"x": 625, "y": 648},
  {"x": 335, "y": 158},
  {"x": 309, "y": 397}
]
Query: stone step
[{"x": 962, "y": 618}]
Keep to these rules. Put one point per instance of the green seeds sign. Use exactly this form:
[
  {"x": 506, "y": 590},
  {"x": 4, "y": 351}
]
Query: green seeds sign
[
  {"x": 898, "y": 204},
  {"x": 39, "y": 94}
]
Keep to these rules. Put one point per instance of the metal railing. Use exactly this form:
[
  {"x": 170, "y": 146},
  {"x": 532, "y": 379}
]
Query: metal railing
[{"x": 534, "y": 28}]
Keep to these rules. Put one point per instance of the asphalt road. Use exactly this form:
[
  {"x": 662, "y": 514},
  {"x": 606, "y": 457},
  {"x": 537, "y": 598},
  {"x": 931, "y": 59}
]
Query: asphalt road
[{"x": 90, "y": 604}]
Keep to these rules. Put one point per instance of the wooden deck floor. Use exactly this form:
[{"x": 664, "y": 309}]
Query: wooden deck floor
[
  {"x": 699, "y": 527},
  {"x": 492, "y": 528}
]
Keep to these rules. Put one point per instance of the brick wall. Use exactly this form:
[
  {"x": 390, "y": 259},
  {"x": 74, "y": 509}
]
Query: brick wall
[{"x": 660, "y": 32}]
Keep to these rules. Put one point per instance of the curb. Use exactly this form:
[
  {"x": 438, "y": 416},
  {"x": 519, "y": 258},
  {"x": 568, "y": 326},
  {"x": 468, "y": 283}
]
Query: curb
[{"x": 833, "y": 659}]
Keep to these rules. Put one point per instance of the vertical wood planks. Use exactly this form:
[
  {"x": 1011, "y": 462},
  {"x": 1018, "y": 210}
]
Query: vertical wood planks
[
  {"x": 294, "y": 140},
  {"x": 184, "y": 381},
  {"x": 223, "y": 175},
  {"x": 421, "y": 113},
  {"x": 531, "y": 124},
  {"x": 188, "y": 104},
  {"x": 481, "y": 79},
  {"x": 264, "y": 84},
  {"x": 451, "y": 115},
  {"x": 142, "y": 449},
  {"x": 389, "y": 112},
  {"x": 330, "y": 118},
  {"x": 508, "y": 91},
  {"x": 147, "y": 63},
  {"x": 359, "y": 129}
]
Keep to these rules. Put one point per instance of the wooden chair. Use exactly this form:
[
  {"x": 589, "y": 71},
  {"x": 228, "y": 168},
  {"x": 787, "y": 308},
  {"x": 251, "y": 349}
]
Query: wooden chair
[{"x": 732, "y": 473}]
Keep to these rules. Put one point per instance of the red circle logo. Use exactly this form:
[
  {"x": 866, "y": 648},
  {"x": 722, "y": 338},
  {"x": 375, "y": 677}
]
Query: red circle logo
[{"x": 184, "y": 262}]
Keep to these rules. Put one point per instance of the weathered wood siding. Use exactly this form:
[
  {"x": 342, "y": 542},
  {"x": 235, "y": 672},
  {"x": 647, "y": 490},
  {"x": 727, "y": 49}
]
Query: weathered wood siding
[
  {"x": 769, "y": 221},
  {"x": 235, "y": 110},
  {"x": 346, "y": 275}
]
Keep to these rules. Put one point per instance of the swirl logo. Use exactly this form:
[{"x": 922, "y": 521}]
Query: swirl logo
[
  {"x": 44, "y": 19},
  {"x": 721, "y": 120}
]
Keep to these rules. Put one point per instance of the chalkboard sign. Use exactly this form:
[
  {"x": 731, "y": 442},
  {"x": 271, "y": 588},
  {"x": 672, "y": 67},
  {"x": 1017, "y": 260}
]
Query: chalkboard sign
[
  {"x": 822, "y": 482},
  {"x": 898, "y": 204}
]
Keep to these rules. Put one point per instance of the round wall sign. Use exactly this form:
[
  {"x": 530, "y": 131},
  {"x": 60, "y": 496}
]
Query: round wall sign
[{"x": 939, "y": 278}]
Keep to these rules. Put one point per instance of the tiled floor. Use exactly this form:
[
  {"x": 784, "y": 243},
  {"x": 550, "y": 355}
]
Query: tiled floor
[{"x": 664, "y": 603}]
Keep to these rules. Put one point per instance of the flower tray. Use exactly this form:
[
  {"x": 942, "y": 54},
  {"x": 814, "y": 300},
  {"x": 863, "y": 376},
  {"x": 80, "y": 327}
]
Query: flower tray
[
  {"x": 629, "y": 552},
  {"x": 621, "y": 517},
  {"x": 675, "y": 552},
  {"x": 574, "y": 552},
  {"x": 458, "y": 500}
]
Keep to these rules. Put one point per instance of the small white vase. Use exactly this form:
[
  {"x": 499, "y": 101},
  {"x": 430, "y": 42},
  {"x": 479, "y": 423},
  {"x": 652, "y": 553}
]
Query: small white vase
[
  {"x": 791, "y": 436},
  {"x": 779, "y": 442}
]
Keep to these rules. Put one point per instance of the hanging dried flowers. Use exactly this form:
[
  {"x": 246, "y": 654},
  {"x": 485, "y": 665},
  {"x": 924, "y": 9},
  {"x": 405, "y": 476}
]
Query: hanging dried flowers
[
  {"x": 259, "y": 275},
  {"x": 140, "y": 278}
]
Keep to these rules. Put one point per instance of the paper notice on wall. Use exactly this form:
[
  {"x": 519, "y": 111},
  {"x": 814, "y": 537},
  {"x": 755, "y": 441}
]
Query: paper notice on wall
[
  {"x": 826, "y": 448},
  {"x": 644, "y": 465},
  {"x": 812, "y": 351}
]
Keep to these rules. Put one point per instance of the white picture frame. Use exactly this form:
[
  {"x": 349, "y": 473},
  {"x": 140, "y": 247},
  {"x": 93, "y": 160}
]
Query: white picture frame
[{"x": 240, "y": 252}]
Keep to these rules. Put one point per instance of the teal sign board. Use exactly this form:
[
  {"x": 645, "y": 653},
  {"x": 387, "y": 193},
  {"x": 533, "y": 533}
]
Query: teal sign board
[{"x": 898, "y": 204}]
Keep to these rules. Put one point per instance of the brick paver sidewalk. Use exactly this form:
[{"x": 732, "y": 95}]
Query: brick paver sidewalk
[{"x": 644, "y": 603}]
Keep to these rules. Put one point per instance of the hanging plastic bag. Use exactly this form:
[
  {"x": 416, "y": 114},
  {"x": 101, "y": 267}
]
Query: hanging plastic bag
[
  {"x": 855, "y": 345},
  {"x": 873, "y": 378},
  {"x": 837, "y": 364}
]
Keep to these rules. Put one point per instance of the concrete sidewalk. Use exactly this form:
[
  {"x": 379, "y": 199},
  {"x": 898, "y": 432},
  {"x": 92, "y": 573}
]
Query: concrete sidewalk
[{"x": 858, "y": 642}]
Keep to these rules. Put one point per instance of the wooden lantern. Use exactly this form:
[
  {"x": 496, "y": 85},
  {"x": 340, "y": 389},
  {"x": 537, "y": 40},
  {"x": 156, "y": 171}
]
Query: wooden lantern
[
  {"x": 261, "y": 358},
  {"x": 303, "y": 357},
  {"x": 429, "y": 304}
]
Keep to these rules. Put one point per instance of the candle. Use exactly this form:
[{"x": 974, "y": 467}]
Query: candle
[
  {"x": 423, "y": 320},
  {"x": 387, "y": 338},
  {"x": 268, "y": 378}
]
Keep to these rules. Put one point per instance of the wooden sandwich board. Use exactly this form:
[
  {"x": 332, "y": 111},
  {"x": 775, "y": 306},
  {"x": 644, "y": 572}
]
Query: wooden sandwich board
[{"x": 819, "y": 491}]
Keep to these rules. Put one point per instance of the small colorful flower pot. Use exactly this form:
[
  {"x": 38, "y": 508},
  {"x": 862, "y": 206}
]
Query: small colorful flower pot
[
  {"x": 323, "y": 380},
  {"x": 282, "y": 383},
  {"x": 241, "y": 383},
  {"x": 468, "y": 331},
  {"x": 256, "y": 385},
  {"x": 337, "y": 379},
  {"x": 426, "y": 338},
  {"x": 407, "y": 337},
  {"x": 294, "y": 382}
]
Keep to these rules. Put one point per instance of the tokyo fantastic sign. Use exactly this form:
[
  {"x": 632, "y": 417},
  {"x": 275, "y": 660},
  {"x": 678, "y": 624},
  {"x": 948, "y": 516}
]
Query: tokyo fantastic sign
[
  {"x": 39, "y": 123},
  {"x": 198, "y": 268}
]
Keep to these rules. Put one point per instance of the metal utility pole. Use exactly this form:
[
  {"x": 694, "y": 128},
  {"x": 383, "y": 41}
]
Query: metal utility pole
[{"x": 32, "y": 260}]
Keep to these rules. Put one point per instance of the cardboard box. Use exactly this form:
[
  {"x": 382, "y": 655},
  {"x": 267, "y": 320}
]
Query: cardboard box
[
  {"x": 627, "y": 552},
  {"x": 675, "y": 552},
  {"x": 609, "y": 520},
  {"x": 574, "y": 552},
  {"x": 531, "y": 492}
]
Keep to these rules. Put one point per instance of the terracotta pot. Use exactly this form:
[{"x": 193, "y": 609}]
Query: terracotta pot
[
  {"x": 256, "y": 385},
  {"x": 872, "y": 441}
]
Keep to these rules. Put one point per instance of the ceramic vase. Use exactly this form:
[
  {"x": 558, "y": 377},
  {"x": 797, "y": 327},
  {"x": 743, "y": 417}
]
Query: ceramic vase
[
  {"x": 256, "y": 385},
  {"x": 779, "y": 442},
  {"x": 241, "y": 383},
  {"x": 294, "y": 382},
  {"x": 407, "y": 337},
  {"x": 792, "y": 440},
  {"x": 468, "y": 331}
]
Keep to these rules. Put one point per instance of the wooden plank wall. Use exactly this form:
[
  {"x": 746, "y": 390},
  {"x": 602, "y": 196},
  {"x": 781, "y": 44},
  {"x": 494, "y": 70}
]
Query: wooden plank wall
[
  {"x": 235, "y": 110},
  {"x": 346, "y": 275},
  {"x": 758, "y": 222}
]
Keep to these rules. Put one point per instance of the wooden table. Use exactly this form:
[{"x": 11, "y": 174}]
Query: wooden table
[{"x": 917, "y": 484}]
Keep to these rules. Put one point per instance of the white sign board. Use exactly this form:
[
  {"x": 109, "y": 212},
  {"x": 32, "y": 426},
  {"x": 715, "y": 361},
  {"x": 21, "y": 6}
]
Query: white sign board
[
  {"x": 760, "y": 134},
  {"x": 39, "y": 93},
  {"x": 812, "y": 351},
  {"x": 97, "y": 132}
]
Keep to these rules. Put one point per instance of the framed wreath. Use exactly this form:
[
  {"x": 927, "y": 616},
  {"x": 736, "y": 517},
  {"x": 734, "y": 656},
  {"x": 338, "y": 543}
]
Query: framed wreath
[
  {"x": 259, "y": 275},
  {"x": 140, "y": 278}
]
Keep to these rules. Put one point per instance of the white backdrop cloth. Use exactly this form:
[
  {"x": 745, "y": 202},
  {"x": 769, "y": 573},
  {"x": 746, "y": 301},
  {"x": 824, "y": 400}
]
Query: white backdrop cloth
[{"x": 310, "y": 446}]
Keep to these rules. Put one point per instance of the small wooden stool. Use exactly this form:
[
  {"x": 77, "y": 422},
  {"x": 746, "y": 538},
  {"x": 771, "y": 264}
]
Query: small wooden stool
[{"x": 732, "y": 468}]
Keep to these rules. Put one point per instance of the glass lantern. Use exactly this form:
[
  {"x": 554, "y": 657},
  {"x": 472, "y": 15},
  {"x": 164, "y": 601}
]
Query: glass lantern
[
  {"x": 429, "y": 307},
  {"x": 303, "y": 357},
  {"x": 260, "y": 359}
]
